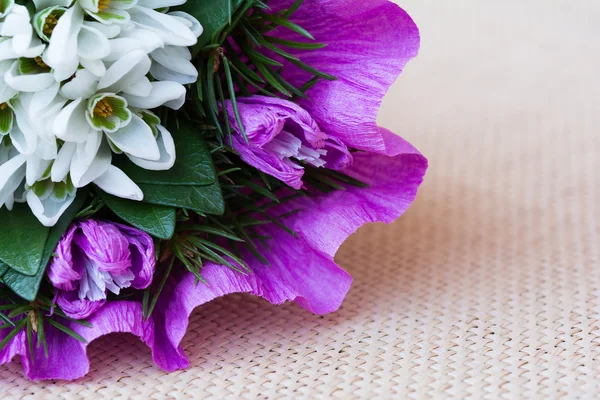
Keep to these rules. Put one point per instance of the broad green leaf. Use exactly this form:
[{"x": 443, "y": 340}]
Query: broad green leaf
[
  {"x": 202, "y": 199},
  {"x": 158, "y": 221},
  {"x": 193, "y": 165},
  {"x": 3, "y": 269},
  {"x": 28, "y": 286},
  {"x": 22, "y": 239},
  {"x": 214, "y": 15}
]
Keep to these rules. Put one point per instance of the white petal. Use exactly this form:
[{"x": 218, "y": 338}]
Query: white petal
[
  {"x": 16, "y": 25},
  {"x": 110, "y": 31},
  {"x": 83, "y": 85},
  {"x": 142, "y": 88},
  {"x": 136, "y": 139},
  {"x": 48, "y": 211},
  {"x": 12, "y": 174},
  {"x": 172, "y": 30},
  {"x": 91, "y": 160},
  {"x": 70, "y": 124},
  {"x": 6, "y": 50},
  {"x": 23, "y": 135},
  {"x": 167, "y": 153},
  {"x": 61, "y": 165},
  {"x": 46, "y": 149},
  {"x": 173, "y": 64},
  {"x": 146, "y": 40},
  {"x": 126, "y": 71},
  {"x": 27, "y": 83},
  {"x": 169, "y": 94},
  {"x": 92, "y": 44},
  {"x": 61, "y": 54},
  {"x": 41, "y": 100},
  {"x": 35, "y": 169},
  {"x": 194, "y": 26},
  {"x": 115, "y": 182},
  {"x": 96, "y": 67}
]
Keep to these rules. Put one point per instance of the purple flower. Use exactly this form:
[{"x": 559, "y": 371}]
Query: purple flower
[
  {"x": 369, "y": 42},
  {"x": 96, "y": 257},
  {"x": 281, "y": 135}
]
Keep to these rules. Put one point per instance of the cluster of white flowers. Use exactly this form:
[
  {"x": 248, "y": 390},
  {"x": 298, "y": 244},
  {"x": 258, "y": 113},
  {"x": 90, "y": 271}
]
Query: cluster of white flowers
[{"x": 77, "y": 81}]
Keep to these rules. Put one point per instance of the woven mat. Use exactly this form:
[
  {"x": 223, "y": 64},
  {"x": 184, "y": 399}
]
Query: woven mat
[{"x": 489, "y": 287}]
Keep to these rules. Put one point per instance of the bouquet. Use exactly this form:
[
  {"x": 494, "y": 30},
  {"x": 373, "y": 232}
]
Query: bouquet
[{"x": 157, "y": 154}]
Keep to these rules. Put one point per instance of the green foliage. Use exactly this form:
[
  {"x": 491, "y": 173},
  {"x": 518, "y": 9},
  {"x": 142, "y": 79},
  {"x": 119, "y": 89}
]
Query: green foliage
[
  {"x": 158, "y": 221},
  {"x": 191, "y": 183},
  {"x": 224, "y": 73},
  {"x": 202, "y": 199},
  {"x": 214, "y": 15},
  {"x": 22, "y": 239},
  {"x": 193, "y": 165},
  {"x": 27, "y": 286}
]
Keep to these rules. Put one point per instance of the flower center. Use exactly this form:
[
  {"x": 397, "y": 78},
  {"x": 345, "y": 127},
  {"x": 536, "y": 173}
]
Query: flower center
[
  {"x": 103, "y": 109},
  {"x": 3, "y": 106},
  {"x": 103, "y": 4},
  {"x": 38, "y": 60},
  {"x": 49, "y": 24}
]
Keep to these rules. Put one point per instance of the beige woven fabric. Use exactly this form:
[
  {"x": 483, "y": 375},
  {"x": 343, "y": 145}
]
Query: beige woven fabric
[{"x": 489, "y": 287}]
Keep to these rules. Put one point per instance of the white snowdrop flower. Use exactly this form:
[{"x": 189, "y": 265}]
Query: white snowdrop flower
[{"x": 78, "y": 81}]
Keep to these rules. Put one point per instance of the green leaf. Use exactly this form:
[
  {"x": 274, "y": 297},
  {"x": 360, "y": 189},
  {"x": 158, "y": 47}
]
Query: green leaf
[
  {"x": 22, "y": 239},
  {"x": 214, "y": 15},
  {"x": 193, "y": 165},
  {"x": 3, "y": 269},
  {"x": 158, "y": 221},
  {"x": 28, "y": 286},
  {"x": 202, "y": 199},
  {"x": 20, "y": 326}
]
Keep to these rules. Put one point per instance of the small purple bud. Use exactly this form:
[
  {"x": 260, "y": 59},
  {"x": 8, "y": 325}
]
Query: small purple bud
[{"x": 97, "y": 257}]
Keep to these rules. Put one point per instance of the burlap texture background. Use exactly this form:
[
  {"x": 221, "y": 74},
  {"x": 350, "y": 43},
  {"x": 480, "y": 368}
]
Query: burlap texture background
[{"x": 489, "y": 287}]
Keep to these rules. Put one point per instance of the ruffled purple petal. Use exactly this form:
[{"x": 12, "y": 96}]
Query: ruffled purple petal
[
  {"x": 319, "y": 286},
  {"x": 265, "y": 117},
  {"x": 338, "y": 156},
  {"x": 269, "y": 163},
  {"x": 105, "y": 244},
  {"x": 67, "y": 358},
  {"x": 75, "y": 308},
  {"x": 326, "y": 221},
  {"x": 63, "y": 272},
  {"x": 143, "y": 259},
  {"x": 368, "y": 45}
]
